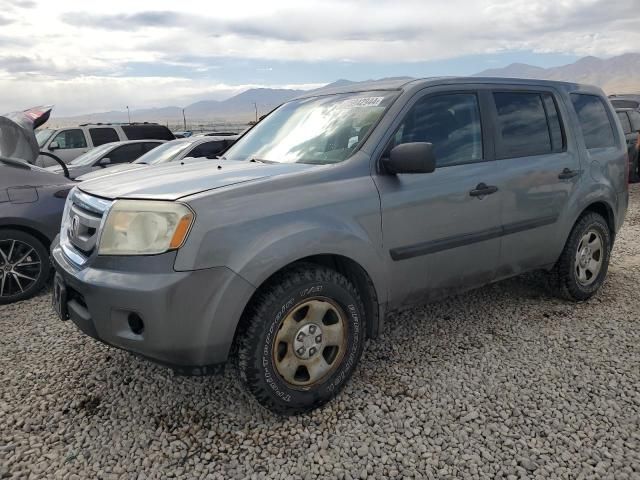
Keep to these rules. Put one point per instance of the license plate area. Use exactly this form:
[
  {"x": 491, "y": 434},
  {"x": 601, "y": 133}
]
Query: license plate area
[{"x": 59, "y": 297}]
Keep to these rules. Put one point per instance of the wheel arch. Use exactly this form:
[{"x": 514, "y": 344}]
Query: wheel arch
[
  {"x": 27, "y": 229},
  {"x": 603, "y": 209},
  {"x": 348, "y": 267}
]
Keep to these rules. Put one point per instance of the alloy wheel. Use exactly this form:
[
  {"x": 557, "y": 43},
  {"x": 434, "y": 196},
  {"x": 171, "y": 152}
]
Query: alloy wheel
[{"x": 20, "y": 267}]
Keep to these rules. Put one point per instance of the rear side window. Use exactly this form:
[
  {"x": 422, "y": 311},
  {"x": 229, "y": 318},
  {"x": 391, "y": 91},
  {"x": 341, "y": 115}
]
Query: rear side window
[
  {"x": 624, "y": 120},
  {"x": 208, "y": 149},
  {"x": 528, "y": 124},
  {"x": 143, "y": 132},
  {"x": 625, "y": 103},
  {"x": 100, "y": 136},
  {"x": 594, "y": 121},
  {"x": 635, "y": 120}
]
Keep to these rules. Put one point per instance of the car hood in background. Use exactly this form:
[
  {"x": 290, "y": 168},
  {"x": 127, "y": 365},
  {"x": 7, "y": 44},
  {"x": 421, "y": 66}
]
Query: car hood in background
[
  {"x": 176, "y": 180},
  {"x": 124, "y": 167}
]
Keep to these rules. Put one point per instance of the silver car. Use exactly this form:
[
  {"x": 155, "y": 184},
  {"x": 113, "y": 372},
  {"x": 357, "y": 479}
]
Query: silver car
[{"x": 336, "y": 208}]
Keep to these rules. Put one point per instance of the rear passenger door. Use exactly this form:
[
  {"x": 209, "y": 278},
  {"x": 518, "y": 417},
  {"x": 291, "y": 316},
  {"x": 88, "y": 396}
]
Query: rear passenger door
[
  {"x": 441, "y": 229},
  {"x": 539, "y": 171}
]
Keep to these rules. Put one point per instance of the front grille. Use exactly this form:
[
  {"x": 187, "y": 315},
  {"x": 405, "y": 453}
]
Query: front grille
[{"x": 83, "y": 218}]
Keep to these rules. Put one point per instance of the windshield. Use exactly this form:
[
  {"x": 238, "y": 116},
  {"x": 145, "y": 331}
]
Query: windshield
[
  {"x": 91, "y": 156},
  {"x": 42, "y": 135},
  {"x": 318, "y": 130},
  {"x": 165, "y": 152}
]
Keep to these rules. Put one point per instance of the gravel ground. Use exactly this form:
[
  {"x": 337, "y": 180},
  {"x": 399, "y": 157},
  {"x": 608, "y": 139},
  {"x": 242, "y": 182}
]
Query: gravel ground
[{"x": 505, "y": 381}]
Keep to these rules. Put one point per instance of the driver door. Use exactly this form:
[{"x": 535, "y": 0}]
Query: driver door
[{"x": 442, "y": 233}]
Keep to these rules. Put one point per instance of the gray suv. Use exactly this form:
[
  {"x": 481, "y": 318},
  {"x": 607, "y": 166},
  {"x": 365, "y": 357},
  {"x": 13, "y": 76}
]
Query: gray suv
[{"x": 338, "y": 207}]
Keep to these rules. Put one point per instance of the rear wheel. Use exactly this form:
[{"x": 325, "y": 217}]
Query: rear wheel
[
  {"x": 634, "y": 169},
  {"x": 24, "y": 266},
  {"x": 583, "y": 265},
  {"x": 302, "y": 337}
]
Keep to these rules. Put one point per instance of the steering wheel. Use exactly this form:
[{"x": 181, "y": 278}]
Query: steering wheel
[{"x": 57, "y": 159}]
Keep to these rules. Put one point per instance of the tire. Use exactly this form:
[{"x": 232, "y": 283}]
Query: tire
[
  {"x": 634, "y": 169},
  {"x": 571, "y": 272},
  {"x": 24, "y": 266},
  {"x": 284, "y": 327}
]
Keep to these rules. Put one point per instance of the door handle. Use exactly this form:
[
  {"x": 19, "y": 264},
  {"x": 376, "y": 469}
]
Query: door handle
[
  {"x": 481, "y": 190},
  {"x": 568, "y": 173}
]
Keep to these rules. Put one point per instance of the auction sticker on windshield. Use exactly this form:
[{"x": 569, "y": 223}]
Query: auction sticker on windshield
[{"x": 362, "y": 102}]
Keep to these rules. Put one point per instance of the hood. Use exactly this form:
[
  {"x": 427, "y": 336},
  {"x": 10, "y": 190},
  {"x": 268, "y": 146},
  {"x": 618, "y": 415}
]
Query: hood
[
  {"x": 124, "y": 167},
  {"x": 175, "y": 180}
]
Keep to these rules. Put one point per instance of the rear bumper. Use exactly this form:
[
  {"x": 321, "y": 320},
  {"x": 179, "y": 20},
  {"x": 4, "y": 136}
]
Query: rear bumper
[{"x": 189, "y": 318}]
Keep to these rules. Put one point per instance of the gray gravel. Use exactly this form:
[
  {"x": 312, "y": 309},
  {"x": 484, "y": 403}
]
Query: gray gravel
[{"x": 506, "y": 381}]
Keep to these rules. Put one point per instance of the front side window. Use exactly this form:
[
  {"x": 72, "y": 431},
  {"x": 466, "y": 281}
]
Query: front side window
[
  {"x": 91, "y": 156},
  {"x": 450, "y": 122},
  {"x": 594, "y": 121},
  {"x": 523, "y": 128},
  {"x": 126, "y": 153},
  {"x": 317, "y": 130},
  {"x": 70, "y": 139}
]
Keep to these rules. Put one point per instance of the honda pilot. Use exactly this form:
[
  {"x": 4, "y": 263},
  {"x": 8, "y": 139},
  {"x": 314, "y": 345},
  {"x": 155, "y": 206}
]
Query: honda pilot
[{"x": 287, "y": 253}]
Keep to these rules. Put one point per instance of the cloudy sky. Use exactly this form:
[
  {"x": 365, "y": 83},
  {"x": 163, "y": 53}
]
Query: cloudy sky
[{"x": 87, "y": 56}]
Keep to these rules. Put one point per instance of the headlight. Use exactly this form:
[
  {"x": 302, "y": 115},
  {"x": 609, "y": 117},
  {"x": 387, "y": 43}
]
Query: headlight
[{"x": 140, "y": 227}]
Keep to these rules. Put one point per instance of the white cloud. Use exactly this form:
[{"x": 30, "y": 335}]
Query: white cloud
[{"x": 81, "y": 57}]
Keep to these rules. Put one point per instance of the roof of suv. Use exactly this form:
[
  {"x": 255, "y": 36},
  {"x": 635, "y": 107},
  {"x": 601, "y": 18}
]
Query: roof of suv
[{"x": 408, "y": 84}]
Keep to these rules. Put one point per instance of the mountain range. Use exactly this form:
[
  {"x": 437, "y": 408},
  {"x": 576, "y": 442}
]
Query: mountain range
[{"x": 619, "y": 74}]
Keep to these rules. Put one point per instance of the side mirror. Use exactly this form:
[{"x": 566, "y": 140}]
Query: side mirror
[
  {"x": 416, "y": 157},
  {"x": 103, "y": 162},
  {"x": 53, "y": 146}
]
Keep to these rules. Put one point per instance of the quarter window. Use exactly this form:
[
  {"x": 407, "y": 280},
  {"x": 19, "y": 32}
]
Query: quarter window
[
  {"x": 594, "y": 121},
  {"x": 450, "y": 122},
  {"x": 70, "y": 139},
  {"x": 528, "y": 124}
]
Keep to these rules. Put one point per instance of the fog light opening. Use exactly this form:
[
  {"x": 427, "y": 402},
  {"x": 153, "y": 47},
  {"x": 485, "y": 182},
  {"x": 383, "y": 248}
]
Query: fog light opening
[{"x": 135, "y": 323}]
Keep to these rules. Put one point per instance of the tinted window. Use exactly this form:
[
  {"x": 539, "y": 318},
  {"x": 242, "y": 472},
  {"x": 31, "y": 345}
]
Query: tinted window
[
  {"x": 209, "y": 149},
  {"x": 522, "y": 124},
  {"x": 594, "y": 121},
  {"x": 451, "y": 123},
  {"x": 625, "y": 103},
  {"x": 635, "y": 120},
  {"x": 624, "y": 120},
  {"x": 142, "y": 132},
  {"x": 126, "y": 153},
  {"x": 71, "y": 139},
  {"x": 100, "y": 136},
  {"x": 146, "y": 147}
]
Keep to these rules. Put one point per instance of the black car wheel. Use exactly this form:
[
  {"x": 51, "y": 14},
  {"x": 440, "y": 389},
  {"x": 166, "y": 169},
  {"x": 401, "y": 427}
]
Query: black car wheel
[
  {"x": 24, "y": 265},
  {"x": 301, "y": 339}
]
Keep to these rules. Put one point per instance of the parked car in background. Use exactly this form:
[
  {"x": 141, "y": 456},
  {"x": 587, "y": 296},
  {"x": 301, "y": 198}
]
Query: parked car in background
[
  {"x": 109, "y": 154},
  {"x": 630, "y": 120},
  {"x": 184, "y": 149},
  {"x": 31, "y": 204},
  {"x": 625, "y": 101},
  {"x": 70, "y": 143},
  {"x": 290, "y": 249}
]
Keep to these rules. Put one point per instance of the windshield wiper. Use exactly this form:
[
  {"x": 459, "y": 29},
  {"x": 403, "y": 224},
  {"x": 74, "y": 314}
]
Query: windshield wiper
[{"x": 261, "y": 160}]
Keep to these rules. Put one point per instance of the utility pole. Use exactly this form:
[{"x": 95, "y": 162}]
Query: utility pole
[
  {"x": 255, "y": 106},
  {"x": 184, "y": 119},
  {"x": 128, "y": 114}
]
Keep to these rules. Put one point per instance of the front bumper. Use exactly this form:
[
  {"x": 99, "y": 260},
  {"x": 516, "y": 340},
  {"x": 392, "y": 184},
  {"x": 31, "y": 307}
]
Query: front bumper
[{"x": 189, "y": 317}]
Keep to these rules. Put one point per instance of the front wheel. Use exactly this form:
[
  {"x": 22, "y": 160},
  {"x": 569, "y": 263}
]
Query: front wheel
[
  {"x": 301, "y": 339},
  {"x": 24, "y": 266},
  {"x": 582, "y": 267}
]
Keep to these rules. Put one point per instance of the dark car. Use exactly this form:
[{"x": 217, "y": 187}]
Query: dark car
[
  {"x": 114, "y": 153},
  {"x": 630, "y": 120},
  {"x": 31, "y": 204},
  {"x": 625, "y": 101}
]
